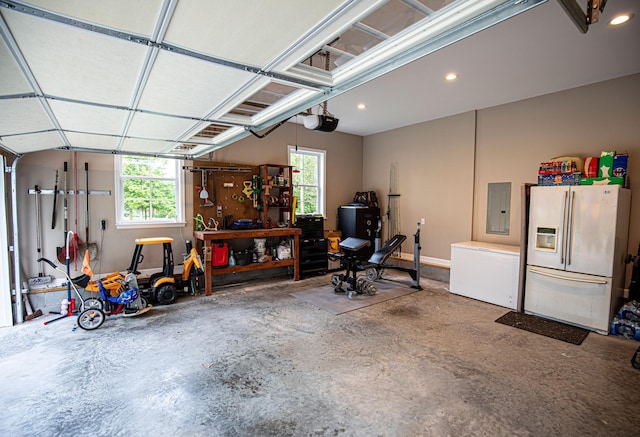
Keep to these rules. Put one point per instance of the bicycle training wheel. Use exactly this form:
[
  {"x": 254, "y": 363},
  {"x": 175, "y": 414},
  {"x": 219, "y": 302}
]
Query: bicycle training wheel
[{"x": 91, "y": 319}]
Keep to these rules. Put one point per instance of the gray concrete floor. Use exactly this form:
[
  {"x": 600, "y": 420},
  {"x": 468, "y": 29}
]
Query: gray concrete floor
[{"x": 254, "y": 361}]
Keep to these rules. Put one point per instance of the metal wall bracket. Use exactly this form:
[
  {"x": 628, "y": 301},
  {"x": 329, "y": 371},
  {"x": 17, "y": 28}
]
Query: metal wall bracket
[
  {"x": 73, "y": 192},
  {"x": 192, "y": 168}
]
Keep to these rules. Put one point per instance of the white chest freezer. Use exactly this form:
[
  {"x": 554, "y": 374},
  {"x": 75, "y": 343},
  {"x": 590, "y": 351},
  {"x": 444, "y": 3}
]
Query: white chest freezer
[{"x": 486, "y": 271}]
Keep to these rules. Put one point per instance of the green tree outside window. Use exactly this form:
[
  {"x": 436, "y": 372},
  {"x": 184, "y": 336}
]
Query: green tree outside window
[
  {"x": 149, "y": 188},
  {"x": 307, "y": 180}
]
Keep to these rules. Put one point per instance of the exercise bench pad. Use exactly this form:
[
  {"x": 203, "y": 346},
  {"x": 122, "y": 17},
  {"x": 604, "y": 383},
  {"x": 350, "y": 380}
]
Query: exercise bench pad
[
  {"x": 382, "y": 254},
  {"x": 353, "y": 244}
]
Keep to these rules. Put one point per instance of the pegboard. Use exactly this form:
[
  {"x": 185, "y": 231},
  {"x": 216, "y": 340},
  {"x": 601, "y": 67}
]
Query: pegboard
[{"x": 224, "y": 183}]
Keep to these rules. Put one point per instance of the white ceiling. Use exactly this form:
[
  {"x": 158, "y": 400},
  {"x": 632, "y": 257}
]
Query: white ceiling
[
  {"x": 538, "y": 52},
  {"x": 148, "y": 76}
]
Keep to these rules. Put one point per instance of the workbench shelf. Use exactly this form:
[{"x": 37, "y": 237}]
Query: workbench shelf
[
  {"x": 277, "y": 194},
  {"x": 252, "y": 266},
  {"x": 206, "y": 239}
]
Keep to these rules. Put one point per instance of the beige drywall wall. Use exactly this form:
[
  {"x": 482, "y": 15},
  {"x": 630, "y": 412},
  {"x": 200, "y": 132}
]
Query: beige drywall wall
[
  {"x": 513, "y": 139},
  {"x": 435, "y": 161},
  {"x": 445, "y": 172},
  {"x": 115, "y": 245},
  {"x": 344, "y": 177}
]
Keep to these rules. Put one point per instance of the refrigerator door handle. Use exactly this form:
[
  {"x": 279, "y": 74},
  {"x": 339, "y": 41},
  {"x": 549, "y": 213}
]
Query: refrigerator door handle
[
  {"x": 551, "y": 275},
  {"x": 564, "y": 227},
  {"x": 570, "y": 228}
]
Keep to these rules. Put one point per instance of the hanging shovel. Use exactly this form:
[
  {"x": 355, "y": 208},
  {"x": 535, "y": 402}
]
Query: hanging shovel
[
  {"x": 62, "y": 251},
  {"x": 68, "y": 251},
  {"x": 83, "y": 247}
]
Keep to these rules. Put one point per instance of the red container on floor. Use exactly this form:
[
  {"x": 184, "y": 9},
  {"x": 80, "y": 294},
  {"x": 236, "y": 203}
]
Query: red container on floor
[{"x": 219, "y": 255}]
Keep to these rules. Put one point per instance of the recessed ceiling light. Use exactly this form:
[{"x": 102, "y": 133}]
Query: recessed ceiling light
[
  {"x": 361, "y": 106},
  {"x": 620, "y": 19},
  {"x": 451, "y": 76}
]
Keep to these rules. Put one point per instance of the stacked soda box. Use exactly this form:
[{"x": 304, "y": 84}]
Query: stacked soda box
[
  {"x": 610, "y": 168},
  {"x": 627, "y": 322},
  {"x": 558, "y": 167},
  {"x": 607, "y": 169},
  {"x": 560, "y": 172}
]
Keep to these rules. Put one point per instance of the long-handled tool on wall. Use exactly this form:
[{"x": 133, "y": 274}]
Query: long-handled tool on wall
[
  {"x": 55, "y": 199},
  {"x": 62, "y": 251},
  {"x": 76, "y": 242},
  {"x": 70, "y": 251},
  {"x": 83, "y": 247},
  {"x": 41, "y": 278}
]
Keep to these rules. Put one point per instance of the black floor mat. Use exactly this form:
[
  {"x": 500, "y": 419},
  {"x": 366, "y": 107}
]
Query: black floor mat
[
  {"x": 548, "y": 328},
  {"x": 337, "y": 303}
]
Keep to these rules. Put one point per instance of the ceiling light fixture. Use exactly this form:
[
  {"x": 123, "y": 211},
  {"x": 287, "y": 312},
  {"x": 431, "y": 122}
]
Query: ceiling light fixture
[
  {"x": 620, "y": 19},
  {"x": 451, "y": 76},
  {"x": 361, "y": 106}
]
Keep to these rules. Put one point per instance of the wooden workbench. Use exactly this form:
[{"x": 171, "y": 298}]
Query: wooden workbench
[{"x": 208, "y": 236}]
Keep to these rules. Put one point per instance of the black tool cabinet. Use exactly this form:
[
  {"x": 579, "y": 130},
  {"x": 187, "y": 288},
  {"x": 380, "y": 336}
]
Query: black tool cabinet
[
  {"x": 313, "y": 246},
  {"x": 359, "y": 222}
]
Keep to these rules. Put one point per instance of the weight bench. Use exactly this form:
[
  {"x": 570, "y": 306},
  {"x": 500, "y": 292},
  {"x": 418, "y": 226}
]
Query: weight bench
[
  {"x": 377, "y": 261},
  {"x": 376, "y": 264},
  {"x": 380, "y": 256},
  {"x": 349, "y": 256}
]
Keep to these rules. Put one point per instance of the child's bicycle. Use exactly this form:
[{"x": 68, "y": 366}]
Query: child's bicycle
[{"x": 118, "y": 295}]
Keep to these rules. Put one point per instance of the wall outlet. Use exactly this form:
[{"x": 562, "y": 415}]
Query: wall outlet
[
  {"x": 103, "y": 224},
  {"x": 422, "y": 221}
]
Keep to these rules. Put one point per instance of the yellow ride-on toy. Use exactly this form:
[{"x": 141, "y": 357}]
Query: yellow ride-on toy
[{"x": 163, "y": 286}]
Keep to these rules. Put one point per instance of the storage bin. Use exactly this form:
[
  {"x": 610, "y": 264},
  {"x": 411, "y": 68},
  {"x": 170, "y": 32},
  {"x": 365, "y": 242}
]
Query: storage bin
[
  {"x": 334, "y": 244},
  {"x": 219, "y": 255},
  {"x": 243, "y": 258}
]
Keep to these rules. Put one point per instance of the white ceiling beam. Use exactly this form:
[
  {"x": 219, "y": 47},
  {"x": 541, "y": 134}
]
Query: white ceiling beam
[
  {"x": 159, "y": 32},
  {"x": 28, "y": 74},
  {"x": 149, "y": 42}
]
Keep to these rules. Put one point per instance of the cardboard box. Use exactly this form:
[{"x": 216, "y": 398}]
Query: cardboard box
[
  {"x": 333, "y": 240},
  {"x": 602, "y": 181},
  {"x": 605, "y": 165},
  {"x": 591, "y": 167},
  {"x": 328, "y": 234},
  {"x": 333, "y": 244},
  {"x": 559, "y": 166},
  {"x": 559, "y": 179},
  {"x": 620, "y": 165}
]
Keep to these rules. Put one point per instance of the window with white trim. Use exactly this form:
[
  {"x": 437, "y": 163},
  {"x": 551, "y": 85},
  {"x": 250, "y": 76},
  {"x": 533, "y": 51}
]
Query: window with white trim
[
  {"x": 149, "y": 192},
  {"x": 308, "y": 179}
]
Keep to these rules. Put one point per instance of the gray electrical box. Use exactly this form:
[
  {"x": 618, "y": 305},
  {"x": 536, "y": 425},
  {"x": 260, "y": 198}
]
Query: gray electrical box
[{"x": 498, "y": 208}]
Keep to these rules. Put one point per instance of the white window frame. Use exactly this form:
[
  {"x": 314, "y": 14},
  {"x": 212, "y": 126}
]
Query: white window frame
[
  {"x": 322, "y": 164},
  {"x": 179, "y": 221}
]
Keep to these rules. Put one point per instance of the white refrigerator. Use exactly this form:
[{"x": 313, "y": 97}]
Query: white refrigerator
[{"x": 576, "y": 253}]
